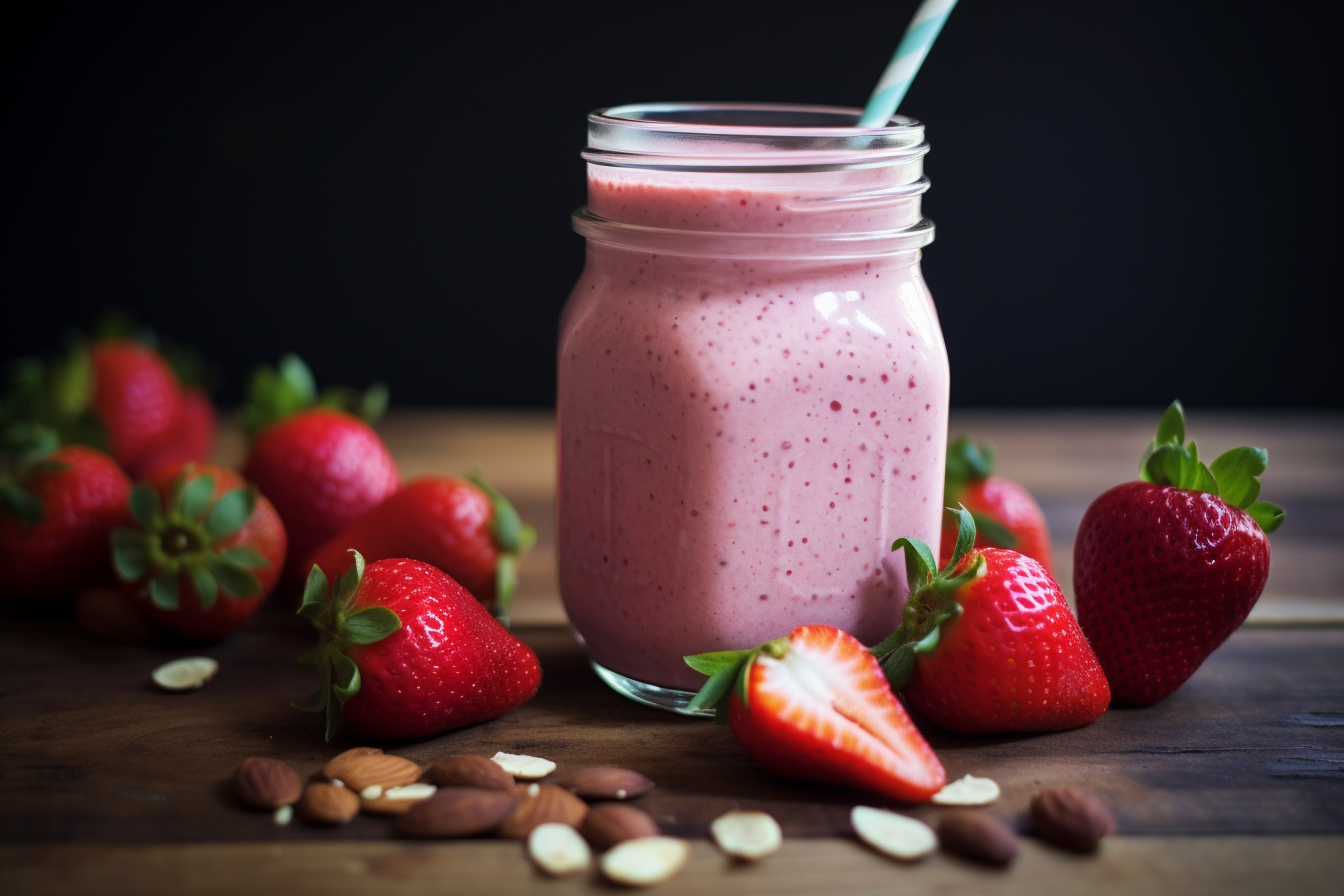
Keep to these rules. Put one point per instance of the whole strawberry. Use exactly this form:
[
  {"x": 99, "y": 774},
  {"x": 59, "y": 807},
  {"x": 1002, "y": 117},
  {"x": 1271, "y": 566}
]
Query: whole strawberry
[
  {"x": 463, "y": 527},
  {"x": 814, "y": 706},
  {"x": 1005, "y": 513},
  {"x": 203, "y": 551},
  {"x": 406, "y": 651},
  {"x": 58, "y": 509},
  {"x": 136, "y": 397},
  {"x": 1165, "y": 569},
  {"x": 988, "y": 645},
  {"x": 192, "y": 439},
  {"x": 321, "y": 466}
]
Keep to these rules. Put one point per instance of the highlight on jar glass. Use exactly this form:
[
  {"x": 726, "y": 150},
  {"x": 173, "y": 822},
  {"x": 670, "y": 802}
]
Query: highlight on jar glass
[{"x": 753, "y": 385}]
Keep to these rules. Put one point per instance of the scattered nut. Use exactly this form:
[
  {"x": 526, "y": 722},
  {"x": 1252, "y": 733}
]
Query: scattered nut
[
  {"x": 108, "y": 614},
  {"x": 606, "y": 783},
  {"x": 266, "y": 783},
  {"x": 325, "y": 803},
  {"x": 645, "y": 861},
  {"x": 898, "y": 836},
  {"x": 528, "y": 767},
  {"x": 369, "y": 769},
  {"x": 968, "y": 791},
  {"x": 283, "y": 816},
  {"x": 372, "y": 792},
  {"x": 542, "y": 804},
  {"x": 187, "y": 674},
  {"x": 457, "y": 812},
  {"x": 470, "y": 771},
  {"x": 398, "y": 800},
  {"x": 331, "y": 771},
  {"x": 745, "y": 834},
  {"x": 977, "y": 835},
  {"x": 558, "y": 850},
  {"x": 607, "y": 824},
  {"x": 1072, "y": 818}
]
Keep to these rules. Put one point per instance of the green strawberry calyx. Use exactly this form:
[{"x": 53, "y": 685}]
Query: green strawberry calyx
[
  {"x": 1233, "y": 476},
  {"x": 180, "y": 539},
  {"x": 339, "y": 627},
  {"x": 968, "y": 462},
  {"x": 273, "y": 393},
  {"x": 25, "y": 452},
  {"x": 512, "y": 538},
  {"x": 729, "y": 671},
  {"x": 931, "y": 602}
]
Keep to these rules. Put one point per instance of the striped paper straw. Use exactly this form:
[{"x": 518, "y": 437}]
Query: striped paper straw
[{"x": 895, "y": 81}]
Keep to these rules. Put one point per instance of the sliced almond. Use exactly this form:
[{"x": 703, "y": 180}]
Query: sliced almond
[
  {"x": 646, "y": 861},
  {"x": 325, "y": 803},
  {"x": 187, "y": 674},
  {"x": 372, "y": 769},
  {"x": 968, "y": 791},
  {"x": 457, "y": 812},
  {"x": 542, "y": 804},
  {"x": 283, "y": 816},
  {"x": 465, "y": 770},
  {"x": 746, "y": 834},
  {"x": 607, "y": 824},
  {"x": 397, "y": 800},
  {"x": 890, "y": 833},
  {"x": 558, "y": 850},
  {"x": 526, "y": 767},
  {"x": 264, "y": 783},
  {"x": 606, "y": 783}
]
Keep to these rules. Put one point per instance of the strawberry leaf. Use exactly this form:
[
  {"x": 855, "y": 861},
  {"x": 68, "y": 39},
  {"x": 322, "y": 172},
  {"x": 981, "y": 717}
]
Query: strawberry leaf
[
  {"x": 22, "y": 504},
  {"x": 346, "y": 682},
  {"x": 1236, "y": 472},
  {"x": 1171, "y": 428},
  {"x": 131, "y": 554},
  {"x": 994, "y": 532},
  {"x": 1266, "y": 515},
  {"x": 230, "y": 512},
  {"x": 195, "y": 496},
  {"x": 719, "y": 661},
  {"x": 966, "y": 526},
  {"x": 371, "y": 624},
  {"x": 233, "y": 581},
  {"x": 163, "y": 588},
  {"x": 967, "y": 462},
  {"x": 715, "y": 691},
  {"x": 203, "y": 582},
  {"x": 316, "y": 590},
  {"x": 316, "y": 702},
  {"x": 145, "y": 507},
  {"x": 245, "y": 557}
]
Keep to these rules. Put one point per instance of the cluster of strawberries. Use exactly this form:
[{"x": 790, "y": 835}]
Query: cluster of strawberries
[
  {"x": 1165, "y": 569},
  {"x": 194, "y": 548}
]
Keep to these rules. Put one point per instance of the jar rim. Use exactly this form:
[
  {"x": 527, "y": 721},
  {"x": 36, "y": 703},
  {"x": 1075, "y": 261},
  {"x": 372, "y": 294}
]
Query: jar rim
[{"x": 747, "y": 137}]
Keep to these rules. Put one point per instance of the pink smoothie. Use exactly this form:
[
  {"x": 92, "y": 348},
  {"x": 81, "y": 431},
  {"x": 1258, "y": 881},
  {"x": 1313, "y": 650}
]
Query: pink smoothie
[{"x": 741, "y": 439}]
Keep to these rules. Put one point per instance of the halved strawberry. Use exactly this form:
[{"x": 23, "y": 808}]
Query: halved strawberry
[{"x": 816, "y": 706}]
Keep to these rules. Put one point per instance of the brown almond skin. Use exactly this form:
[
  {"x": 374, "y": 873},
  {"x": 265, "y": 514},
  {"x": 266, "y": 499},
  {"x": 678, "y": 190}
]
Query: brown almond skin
[
  {"x": 338, "y": 762},
  {"x": 1072, "y": 818},
  {"x": 465, "y": 770},
  {"x": 607, "y": 824},
  {"x": 551, "y": 804},
  {"x": 457, "y": 812},
  {"x": 606, "y": 783},
  {"x": 264, "y": 783},
  {"x": 978, "y": 836},
  {"x": 382, "y": 769},
  {"x": 325, "y": 803}
]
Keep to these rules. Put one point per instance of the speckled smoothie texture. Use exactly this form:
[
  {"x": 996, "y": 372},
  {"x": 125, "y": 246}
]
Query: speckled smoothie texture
[{"x": 741, "y": 439}]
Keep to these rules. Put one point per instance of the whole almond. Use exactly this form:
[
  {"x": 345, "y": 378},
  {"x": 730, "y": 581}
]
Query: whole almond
[
  {"x": 465, "y": 770},
  {"x": 542, "y": 804},
  {"x": 372, "y": 769},
  {"x": 1072, "y": 818},
  {"x": 978, "y": 836},
  {"x": 325, "y": 803},
  {"x": 329, "y": 771},
  {"x": 607, "y": 824},
  {"x": 266, "y": 783},
  {"x": 457, "y": 812},
  {"x": 606, "y": 783}
]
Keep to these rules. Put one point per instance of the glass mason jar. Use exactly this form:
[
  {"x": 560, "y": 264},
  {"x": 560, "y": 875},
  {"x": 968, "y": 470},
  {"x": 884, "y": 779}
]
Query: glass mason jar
[{"x": 753, "y": 386}]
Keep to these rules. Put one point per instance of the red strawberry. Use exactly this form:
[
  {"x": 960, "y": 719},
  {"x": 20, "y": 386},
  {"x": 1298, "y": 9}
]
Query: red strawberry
[
  {"x": 987, "y": 644},
  {"x": 407, "y": 652},
  {"x": 1005, "y": 513},
  {"x": 1165, "y": 569},
  {"x": 56, "y": 518},
  {"x": 814, "y": 706},
  {"x": 203, "y": 552},
  {"x": 192, "y": 439},
  {"x": 321, "y": 466},
  {"x": 136, "y": 397},
  {"x": 465, "y": 528}
]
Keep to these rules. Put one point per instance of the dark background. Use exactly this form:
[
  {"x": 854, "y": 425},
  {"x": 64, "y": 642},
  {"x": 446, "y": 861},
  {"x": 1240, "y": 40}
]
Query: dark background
[{"x": 1134, "y": 202}]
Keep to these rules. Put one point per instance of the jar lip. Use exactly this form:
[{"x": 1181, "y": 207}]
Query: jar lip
[
  {"x": 715, "y": 118},
  {"x": 747, "y": 137}
]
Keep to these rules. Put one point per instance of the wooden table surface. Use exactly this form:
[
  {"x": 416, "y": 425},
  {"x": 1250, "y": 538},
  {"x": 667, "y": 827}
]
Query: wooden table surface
[{"x": 1235, "y": 784}]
